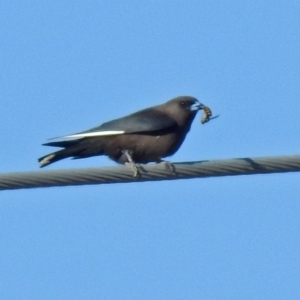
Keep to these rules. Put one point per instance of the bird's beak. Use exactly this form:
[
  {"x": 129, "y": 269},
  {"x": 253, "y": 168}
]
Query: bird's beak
[{"x": 197, "y": 106}]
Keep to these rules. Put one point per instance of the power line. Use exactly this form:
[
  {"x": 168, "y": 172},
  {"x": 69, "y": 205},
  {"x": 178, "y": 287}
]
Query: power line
[{"x": 155, "y": 172}]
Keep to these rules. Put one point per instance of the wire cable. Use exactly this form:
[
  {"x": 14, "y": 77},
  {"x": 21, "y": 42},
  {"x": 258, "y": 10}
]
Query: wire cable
[{"x": 151, "y": 172}]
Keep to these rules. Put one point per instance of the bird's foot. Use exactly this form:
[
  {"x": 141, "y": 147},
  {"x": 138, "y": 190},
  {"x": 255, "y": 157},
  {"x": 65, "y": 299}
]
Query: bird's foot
[
  {"x": 134, "y": 168},
  {"x": 168, "y": 165},
  {"x": 131, "y": 163}
]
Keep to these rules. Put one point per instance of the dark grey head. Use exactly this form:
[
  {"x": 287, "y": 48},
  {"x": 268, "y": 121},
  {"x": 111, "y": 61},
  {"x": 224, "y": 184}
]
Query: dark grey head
[{"x": 183, "y": 109}]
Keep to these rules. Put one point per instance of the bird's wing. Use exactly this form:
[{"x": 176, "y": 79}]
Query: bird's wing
[
  {"x": 143, "y": 121},
  {"x": 147, "y": 120}
]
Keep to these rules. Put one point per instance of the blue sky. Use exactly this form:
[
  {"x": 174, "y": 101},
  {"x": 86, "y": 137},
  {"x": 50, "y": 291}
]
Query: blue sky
[{"x": 67, "y": 66}]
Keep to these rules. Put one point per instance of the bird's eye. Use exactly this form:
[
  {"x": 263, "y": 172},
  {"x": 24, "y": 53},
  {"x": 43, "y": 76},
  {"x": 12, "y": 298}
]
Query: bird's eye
[{"x": 185, "y": 104}]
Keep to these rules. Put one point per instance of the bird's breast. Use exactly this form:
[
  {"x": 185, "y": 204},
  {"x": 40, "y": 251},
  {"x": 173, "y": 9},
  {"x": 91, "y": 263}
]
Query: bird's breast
[{"x": 144, "y": 148}]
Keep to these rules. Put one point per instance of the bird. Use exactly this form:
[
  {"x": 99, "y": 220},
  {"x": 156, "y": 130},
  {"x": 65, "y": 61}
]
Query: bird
[{"x": 148, "y": 135}]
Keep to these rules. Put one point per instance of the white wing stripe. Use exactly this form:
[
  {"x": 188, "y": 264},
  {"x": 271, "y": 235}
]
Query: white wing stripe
[{"x": 91, "y": 134}]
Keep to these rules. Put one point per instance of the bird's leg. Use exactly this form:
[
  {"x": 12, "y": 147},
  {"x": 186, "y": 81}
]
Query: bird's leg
[
  {"x": 168, "y": 165},
  {"x": 131, "y": 163}
]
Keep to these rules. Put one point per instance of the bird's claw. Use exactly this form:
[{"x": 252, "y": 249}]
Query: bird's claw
[
  {"x": 134, "y": 168},
  {"x": 131, "y": 163},
  {"x": 168, "y": 165}
]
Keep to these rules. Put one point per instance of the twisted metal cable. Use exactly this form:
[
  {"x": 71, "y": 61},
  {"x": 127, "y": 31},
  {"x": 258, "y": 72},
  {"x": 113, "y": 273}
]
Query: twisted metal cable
[{"x": 154, "y": 172}]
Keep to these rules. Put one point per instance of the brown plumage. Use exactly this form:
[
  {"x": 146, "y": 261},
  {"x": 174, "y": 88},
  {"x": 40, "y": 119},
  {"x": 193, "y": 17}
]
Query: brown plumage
[{"x": 145, "y": 136}]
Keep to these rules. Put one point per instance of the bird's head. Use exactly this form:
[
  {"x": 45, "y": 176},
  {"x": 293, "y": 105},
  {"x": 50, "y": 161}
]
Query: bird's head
[
  {"x": 186, "y": 103},
  {"x": 183, "y": 109}
]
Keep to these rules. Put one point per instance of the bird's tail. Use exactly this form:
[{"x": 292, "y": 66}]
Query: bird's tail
[
  {"x": 53, "y": 157},
  {"x": 82, "y": 149}
]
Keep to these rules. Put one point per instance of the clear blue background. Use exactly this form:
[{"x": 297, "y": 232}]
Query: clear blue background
[{"x": 69, "y": 65}]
